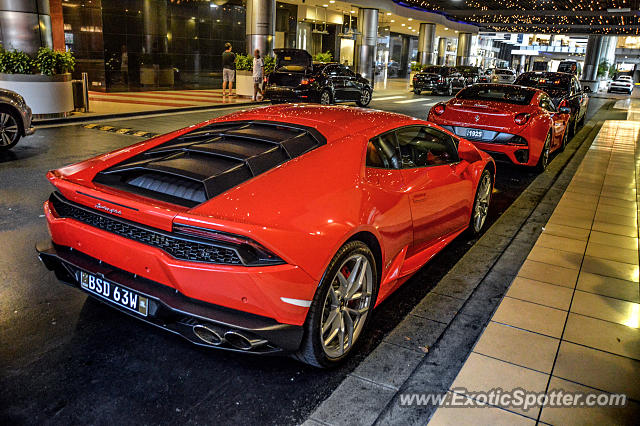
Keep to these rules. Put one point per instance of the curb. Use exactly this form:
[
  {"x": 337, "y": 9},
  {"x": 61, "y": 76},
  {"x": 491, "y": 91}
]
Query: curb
[
  {"x": 417, "y": 356},
  {"x": 89, "y": 118}
]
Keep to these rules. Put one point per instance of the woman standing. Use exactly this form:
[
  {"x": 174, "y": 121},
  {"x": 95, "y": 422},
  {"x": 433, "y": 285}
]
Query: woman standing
[{"x": 258, "y": 75}]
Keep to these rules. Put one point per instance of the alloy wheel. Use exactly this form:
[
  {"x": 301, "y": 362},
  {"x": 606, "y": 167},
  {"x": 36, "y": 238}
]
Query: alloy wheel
[
  {"x": 544, "y": 155},
  {"x": 325, "y": 98},
  {"x": 481, "y": 208},
  {"x": 8, "y": 129},
  {"x": 365, "y": 98},
  {"x": 346, "y": 305}
]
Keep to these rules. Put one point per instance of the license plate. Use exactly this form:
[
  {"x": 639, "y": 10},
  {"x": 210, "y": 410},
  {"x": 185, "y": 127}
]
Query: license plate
[
  {"x": 114, "y": 293},
  {"x": 475, "y": 134}
]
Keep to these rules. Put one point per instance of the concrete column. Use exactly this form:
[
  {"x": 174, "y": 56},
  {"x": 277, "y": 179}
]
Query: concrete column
[
  {"x": 57, "y": 24},
  {"x": 463, "y": 54},
  {"x": 523, "y": 62},
  {"x": 427, "y": 44},
  {"x": 25, "y": 25},
  {"x": 366, "y": 42},
  {"x": 592, "y": 58},
  {"x": 261, "y": 26},
  {"x": 404, "y": 56},
  {"x": 442, "y": 50}
]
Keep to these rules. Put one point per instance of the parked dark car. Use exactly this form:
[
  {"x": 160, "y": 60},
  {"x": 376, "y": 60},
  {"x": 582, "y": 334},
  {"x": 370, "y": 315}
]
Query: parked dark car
[
  {"x": 564, "y": 89},
  {"x": 435, "y": 79},
  {"x": 297, "y": 78},
  {"x": 470, "y": 75},
  {"x": 15, "y": 119}
]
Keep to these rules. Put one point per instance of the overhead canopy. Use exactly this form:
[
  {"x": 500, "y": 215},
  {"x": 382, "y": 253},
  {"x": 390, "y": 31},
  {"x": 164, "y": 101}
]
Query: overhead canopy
[{"x": 540, "y": 16}]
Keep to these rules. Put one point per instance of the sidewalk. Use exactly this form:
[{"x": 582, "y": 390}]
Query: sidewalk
[
  {"x": 122, "y": 104},
  {"x": 547, "y": 299}
]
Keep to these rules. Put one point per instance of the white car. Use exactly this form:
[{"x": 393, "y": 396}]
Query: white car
[
  {"x": 621, "y": 84},
  {"x": 503, "y": 75}
]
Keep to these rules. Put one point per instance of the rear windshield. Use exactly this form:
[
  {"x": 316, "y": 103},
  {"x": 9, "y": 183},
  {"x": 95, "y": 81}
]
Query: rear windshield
[
  {"x": 506, "y": 94},
  {"x": 504, "y": 72},
  {"x": 545, "y": 81},
  {"x": 466, "y": 71},
  {"x": 434, "y": 70}
]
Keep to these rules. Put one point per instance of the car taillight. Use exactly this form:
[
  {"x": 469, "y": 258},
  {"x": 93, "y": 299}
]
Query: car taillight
[
  {"x": 306, "y": 81},
  {"x": 521, "y": 118},
  {"x": 438, "y": 109},
  {"x": 251, "y": 252}
]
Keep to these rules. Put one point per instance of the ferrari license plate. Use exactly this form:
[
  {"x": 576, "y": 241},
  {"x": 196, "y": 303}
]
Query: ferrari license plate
[
  {"x": 114, "y": 293},
  {"x": 475, "y": 134}
]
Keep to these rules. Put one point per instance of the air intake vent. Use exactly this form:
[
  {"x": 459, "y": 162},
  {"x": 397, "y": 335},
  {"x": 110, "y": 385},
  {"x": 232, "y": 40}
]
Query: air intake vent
[{"x": 206, "y": 162}]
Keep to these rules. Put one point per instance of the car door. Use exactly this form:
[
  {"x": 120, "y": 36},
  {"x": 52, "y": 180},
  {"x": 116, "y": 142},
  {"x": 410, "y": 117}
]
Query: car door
[
  {"x": 351, "y": 85},
  {"x": 439, "y": 194},
  {"x": 336, "y": 80},
  {"x": 386, "y": 203},
  {"x": 559, "y": 121},
  {"x": 581, "y": 98}
]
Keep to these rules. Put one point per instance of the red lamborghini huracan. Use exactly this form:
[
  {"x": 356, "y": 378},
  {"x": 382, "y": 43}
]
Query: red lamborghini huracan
[
  {"x": 513, "y": 123},
  {"x": 265, "y": 231}
]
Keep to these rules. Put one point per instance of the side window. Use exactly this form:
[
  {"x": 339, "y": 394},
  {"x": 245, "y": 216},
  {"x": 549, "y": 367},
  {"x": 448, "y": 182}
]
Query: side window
[
  {"x": 382, "y": 152},
  {"x": 545, "y": 103},
  {"x": 332, "y": 70},
  {"x": 422, "y": 146},
  {"x": 346, "y": 72},
  {"x": 577, "y": 85}
]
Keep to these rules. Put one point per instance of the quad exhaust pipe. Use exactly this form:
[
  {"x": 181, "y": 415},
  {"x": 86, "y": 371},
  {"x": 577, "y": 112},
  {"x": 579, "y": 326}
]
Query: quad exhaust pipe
[
  {"x": 215, "y": 337},
  {"x": 242, "y": 342},
  {"x": 207, "y": 334}
]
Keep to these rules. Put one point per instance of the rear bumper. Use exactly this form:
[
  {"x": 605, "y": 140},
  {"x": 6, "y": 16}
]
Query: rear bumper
[
  {"x": 289, "y": 94},
  {"x": 171, "y": 310},
  {"x": 620, "y": 89},
  {"x": 428, "y": 86},
  {"x": 516, "y": 154}
]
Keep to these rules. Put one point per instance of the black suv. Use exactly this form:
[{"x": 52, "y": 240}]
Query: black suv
[
  {"x": 297, "y": 78},
  {"x": 435, "y": 79},
  {"x": 564, "y": 89}
]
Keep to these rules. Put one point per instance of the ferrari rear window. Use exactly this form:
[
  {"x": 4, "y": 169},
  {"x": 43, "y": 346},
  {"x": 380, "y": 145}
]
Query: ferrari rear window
[{"x": 497, "y": 93}]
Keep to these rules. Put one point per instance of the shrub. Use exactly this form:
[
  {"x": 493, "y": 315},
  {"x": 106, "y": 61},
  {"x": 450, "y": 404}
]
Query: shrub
[
  {"x": 50, "y": 62},
  {"x": 245, "y": 63},
  {"x": 269, "y": 64},
  {"x": 15, "y": 62},
  {"x": 323, "y": 57}
]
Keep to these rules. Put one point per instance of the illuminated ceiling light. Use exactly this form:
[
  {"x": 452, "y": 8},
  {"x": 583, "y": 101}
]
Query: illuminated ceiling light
[
  {"x": 332, "y": 1},
  {"x": 403, "y": 25},
  {"x": 393, "y": 20},
  {"x": 325, "y": 5},
  {"x": 388, "y": 13},
  {"x": 353, "y": 11},
  {"x": 410, "y": 19}
]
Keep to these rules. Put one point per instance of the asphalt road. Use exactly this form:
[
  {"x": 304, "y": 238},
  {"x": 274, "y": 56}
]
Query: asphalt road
[{"x": 68, "y": 359}]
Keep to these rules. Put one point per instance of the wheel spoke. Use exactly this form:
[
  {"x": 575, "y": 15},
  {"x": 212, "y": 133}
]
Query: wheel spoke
[
  {"x": 341, "y": 331},
  {"x": 359, "y": 280},
  {"x": 348, "y": 321},
  {"x": 3, "y": 118},
  {"x": 334, "y": 296},
  {"x": 344, "y": 284},
  {"x": 330, "y": 320}
]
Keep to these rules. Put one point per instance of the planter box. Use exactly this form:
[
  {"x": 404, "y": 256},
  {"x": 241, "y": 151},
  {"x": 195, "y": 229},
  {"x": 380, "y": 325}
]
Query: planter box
[
  {"x": 43, "y": 94},
  {"x": 244, "y": 83}
]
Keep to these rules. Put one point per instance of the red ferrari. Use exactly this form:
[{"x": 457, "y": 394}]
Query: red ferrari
[
  {"x": 266, "y": 231},
  {"x": 512, "y": 123}
]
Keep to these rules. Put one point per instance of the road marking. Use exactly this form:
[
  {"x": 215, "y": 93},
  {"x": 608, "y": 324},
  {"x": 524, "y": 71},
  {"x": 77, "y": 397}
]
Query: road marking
[
  {"x": 410, "y": 101},
  {"x": 388, "y": 98},
  {"x": 120, "y": 131}
]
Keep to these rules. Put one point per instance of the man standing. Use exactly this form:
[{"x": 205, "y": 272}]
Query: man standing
[
  {"x": 258, "y": 75},
  {"x": 228, "y": 69}
]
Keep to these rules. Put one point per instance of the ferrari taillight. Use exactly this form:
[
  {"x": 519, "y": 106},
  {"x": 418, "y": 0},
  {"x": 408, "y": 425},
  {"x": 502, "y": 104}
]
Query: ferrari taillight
[
  {"x": 438, "y": 109},
  {"x": 521, "y": 118},
  {"x": 251, "y": 252}
]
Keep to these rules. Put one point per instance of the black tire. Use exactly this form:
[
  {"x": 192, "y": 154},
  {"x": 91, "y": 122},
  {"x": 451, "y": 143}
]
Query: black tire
[
  {"x": 365, "y": 98},
  {"x": 326, "y": 98},
  {"x": 475, "y": 228},
  {"x": 582, "y": 120},
  {"x": 543, "y": 161},
  {"x": 10, "y": 128},
  {"x": 312, "y": 350},
  {"x": 417, "y": 91}
]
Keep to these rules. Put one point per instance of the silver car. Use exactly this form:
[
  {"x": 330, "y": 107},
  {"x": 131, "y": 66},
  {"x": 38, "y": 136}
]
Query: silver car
[{"x": 15, "y": 119}]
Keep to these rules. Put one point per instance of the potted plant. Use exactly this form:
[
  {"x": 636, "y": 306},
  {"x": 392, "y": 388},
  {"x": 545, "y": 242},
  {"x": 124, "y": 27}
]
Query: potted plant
[
  {"x": 415, "y": 68},
  {"x": 323, "y": 57},
  {"x": 44, "y": 81}
]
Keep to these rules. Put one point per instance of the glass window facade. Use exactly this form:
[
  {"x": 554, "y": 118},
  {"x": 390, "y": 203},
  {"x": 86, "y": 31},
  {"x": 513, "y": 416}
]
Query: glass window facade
[{"x": 130, "y": 45}]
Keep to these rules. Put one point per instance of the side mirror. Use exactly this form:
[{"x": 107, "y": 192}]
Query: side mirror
[
  {"x": 468, "y": 152},
  {"x": 564, "y": 110}
]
